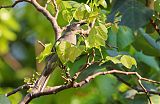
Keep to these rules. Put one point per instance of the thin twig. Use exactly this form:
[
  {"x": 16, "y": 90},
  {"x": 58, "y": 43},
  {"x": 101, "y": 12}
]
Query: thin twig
[
  {"x": 46, "y": 5},
  {"x": 56, "y": 89},
  {"x": 135, "y": 88},
  {"x": 25, "y": 86},
  {"x": 56, "y": 8}
]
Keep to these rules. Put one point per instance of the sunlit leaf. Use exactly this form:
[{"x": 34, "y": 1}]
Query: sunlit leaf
[
  {"x": 103, "y": 3},
  {"x": 67, "y": 15},
  {"x": 157, "y": 5},
  {"x": 96, "y": 38},
  {"x": 115, "y": 60},
  {"x": 128, "y": 61},
  {"x": 68, "y": 52},
  {"x": 155, "y": 99},
  {"x": 45, "y": 52}
]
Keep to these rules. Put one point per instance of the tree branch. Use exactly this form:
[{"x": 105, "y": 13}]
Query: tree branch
[
  {"x": 56, "y": 89},
  {"x": 45, "y": 12},
  {"x": 25, "y": 86},
  {"x": 51, "y": 18}
]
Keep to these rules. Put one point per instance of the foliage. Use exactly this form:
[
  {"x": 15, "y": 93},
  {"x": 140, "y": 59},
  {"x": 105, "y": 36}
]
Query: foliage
[{"x": 119, "y": 38}]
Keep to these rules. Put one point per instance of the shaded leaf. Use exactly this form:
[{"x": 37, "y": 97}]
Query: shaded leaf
[
  {"x": 134, "y": 13},
  {"x": 150, "y": 40},
  {"x": 149, "y": 60},
  {"x": 124, "y": 37},
  {"x": 120, "y": 37},
  {"x": 4, "y": 100}
]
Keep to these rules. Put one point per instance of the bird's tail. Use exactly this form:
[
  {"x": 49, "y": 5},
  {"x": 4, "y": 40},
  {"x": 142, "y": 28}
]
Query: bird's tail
[{"x": 50, "y": 66}]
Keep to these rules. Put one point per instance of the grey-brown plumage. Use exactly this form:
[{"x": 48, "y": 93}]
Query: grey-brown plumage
[{"x": 68, "y": 35}]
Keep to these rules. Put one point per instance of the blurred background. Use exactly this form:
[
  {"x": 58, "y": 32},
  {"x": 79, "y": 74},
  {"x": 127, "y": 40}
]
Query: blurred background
[{"x": 20, "y": 28}]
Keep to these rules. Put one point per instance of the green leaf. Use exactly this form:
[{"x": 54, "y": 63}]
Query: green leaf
[
  {"x": 125, "y": 60},
  {"x": 45, "y": 52},
  {"x": 157, "y": 5},
  {"x": 115, "y": 60},
  {"x": 8, "y": 20},
  {"x": 124, "y": 37},
  {"x": 68, "y": 52},
  {"x": 4, "y": 45},
  {"x": 149, "y": 60},
  {"x": 82, "y": 12},
  {"x": 4, "y": 100},
  {"x": 103, "y": 3},
  {"x": 67, "y": 15},
  {"x": 7, "y": 33},
  {"x": 150, "y": 40},
  {"x": 5, "y": 2},
  {"x": 155, "y": 99},
  {"x": 128, "y": 61},
  {"x": 141, "y": 44},
  {"x": 96, "y": 37},
  {"x": 134, "y": 13},
  {"x": 120, "y": 37}
]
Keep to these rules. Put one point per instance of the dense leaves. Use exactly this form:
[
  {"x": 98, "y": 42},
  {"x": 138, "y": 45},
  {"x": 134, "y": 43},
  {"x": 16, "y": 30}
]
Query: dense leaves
[
  {"x": 133, "y": 13},
  {"x": 123, "y": 44},
  {"x": 68, "y": 52}
]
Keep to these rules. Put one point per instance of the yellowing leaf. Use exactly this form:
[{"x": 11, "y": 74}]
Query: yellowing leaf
[{"x": 128, "y": 61}]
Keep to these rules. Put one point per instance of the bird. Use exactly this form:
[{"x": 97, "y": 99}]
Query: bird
[{"x": 52, "y": 60}]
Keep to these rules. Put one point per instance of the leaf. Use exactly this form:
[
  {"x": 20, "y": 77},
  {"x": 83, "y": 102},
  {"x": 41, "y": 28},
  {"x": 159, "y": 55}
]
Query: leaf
[
  {"x": 45, "y": 52},
  {"x": 149, "y": 60},
  {"x": 68, "y": 52},
  {"x": 113, "y": 59},
  {"x": 96, "y": 37},
  {"x": 103, "y": 3},
  {"x": 130, "y": 94},
  {"x": 124, "y": 37},
  {"x": 134, "y": 13},
  {"x": 8, "y": 20},
  {"x": 155, "y": 99},
  {"x": 5, "y": 2},
  {"x": 120, "y": 37},
  {"x": 7, "y": 33},
  {"x": 4, "y": 100},
  {"x": 140, "y": 44},
  {"x": 82, "y": 12},
  {"x": 128, "y": 61},
  {"x": 157, "y": 5},
  {"x": 150, "y": 40},
  {"x": 67, "y": 15}
]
